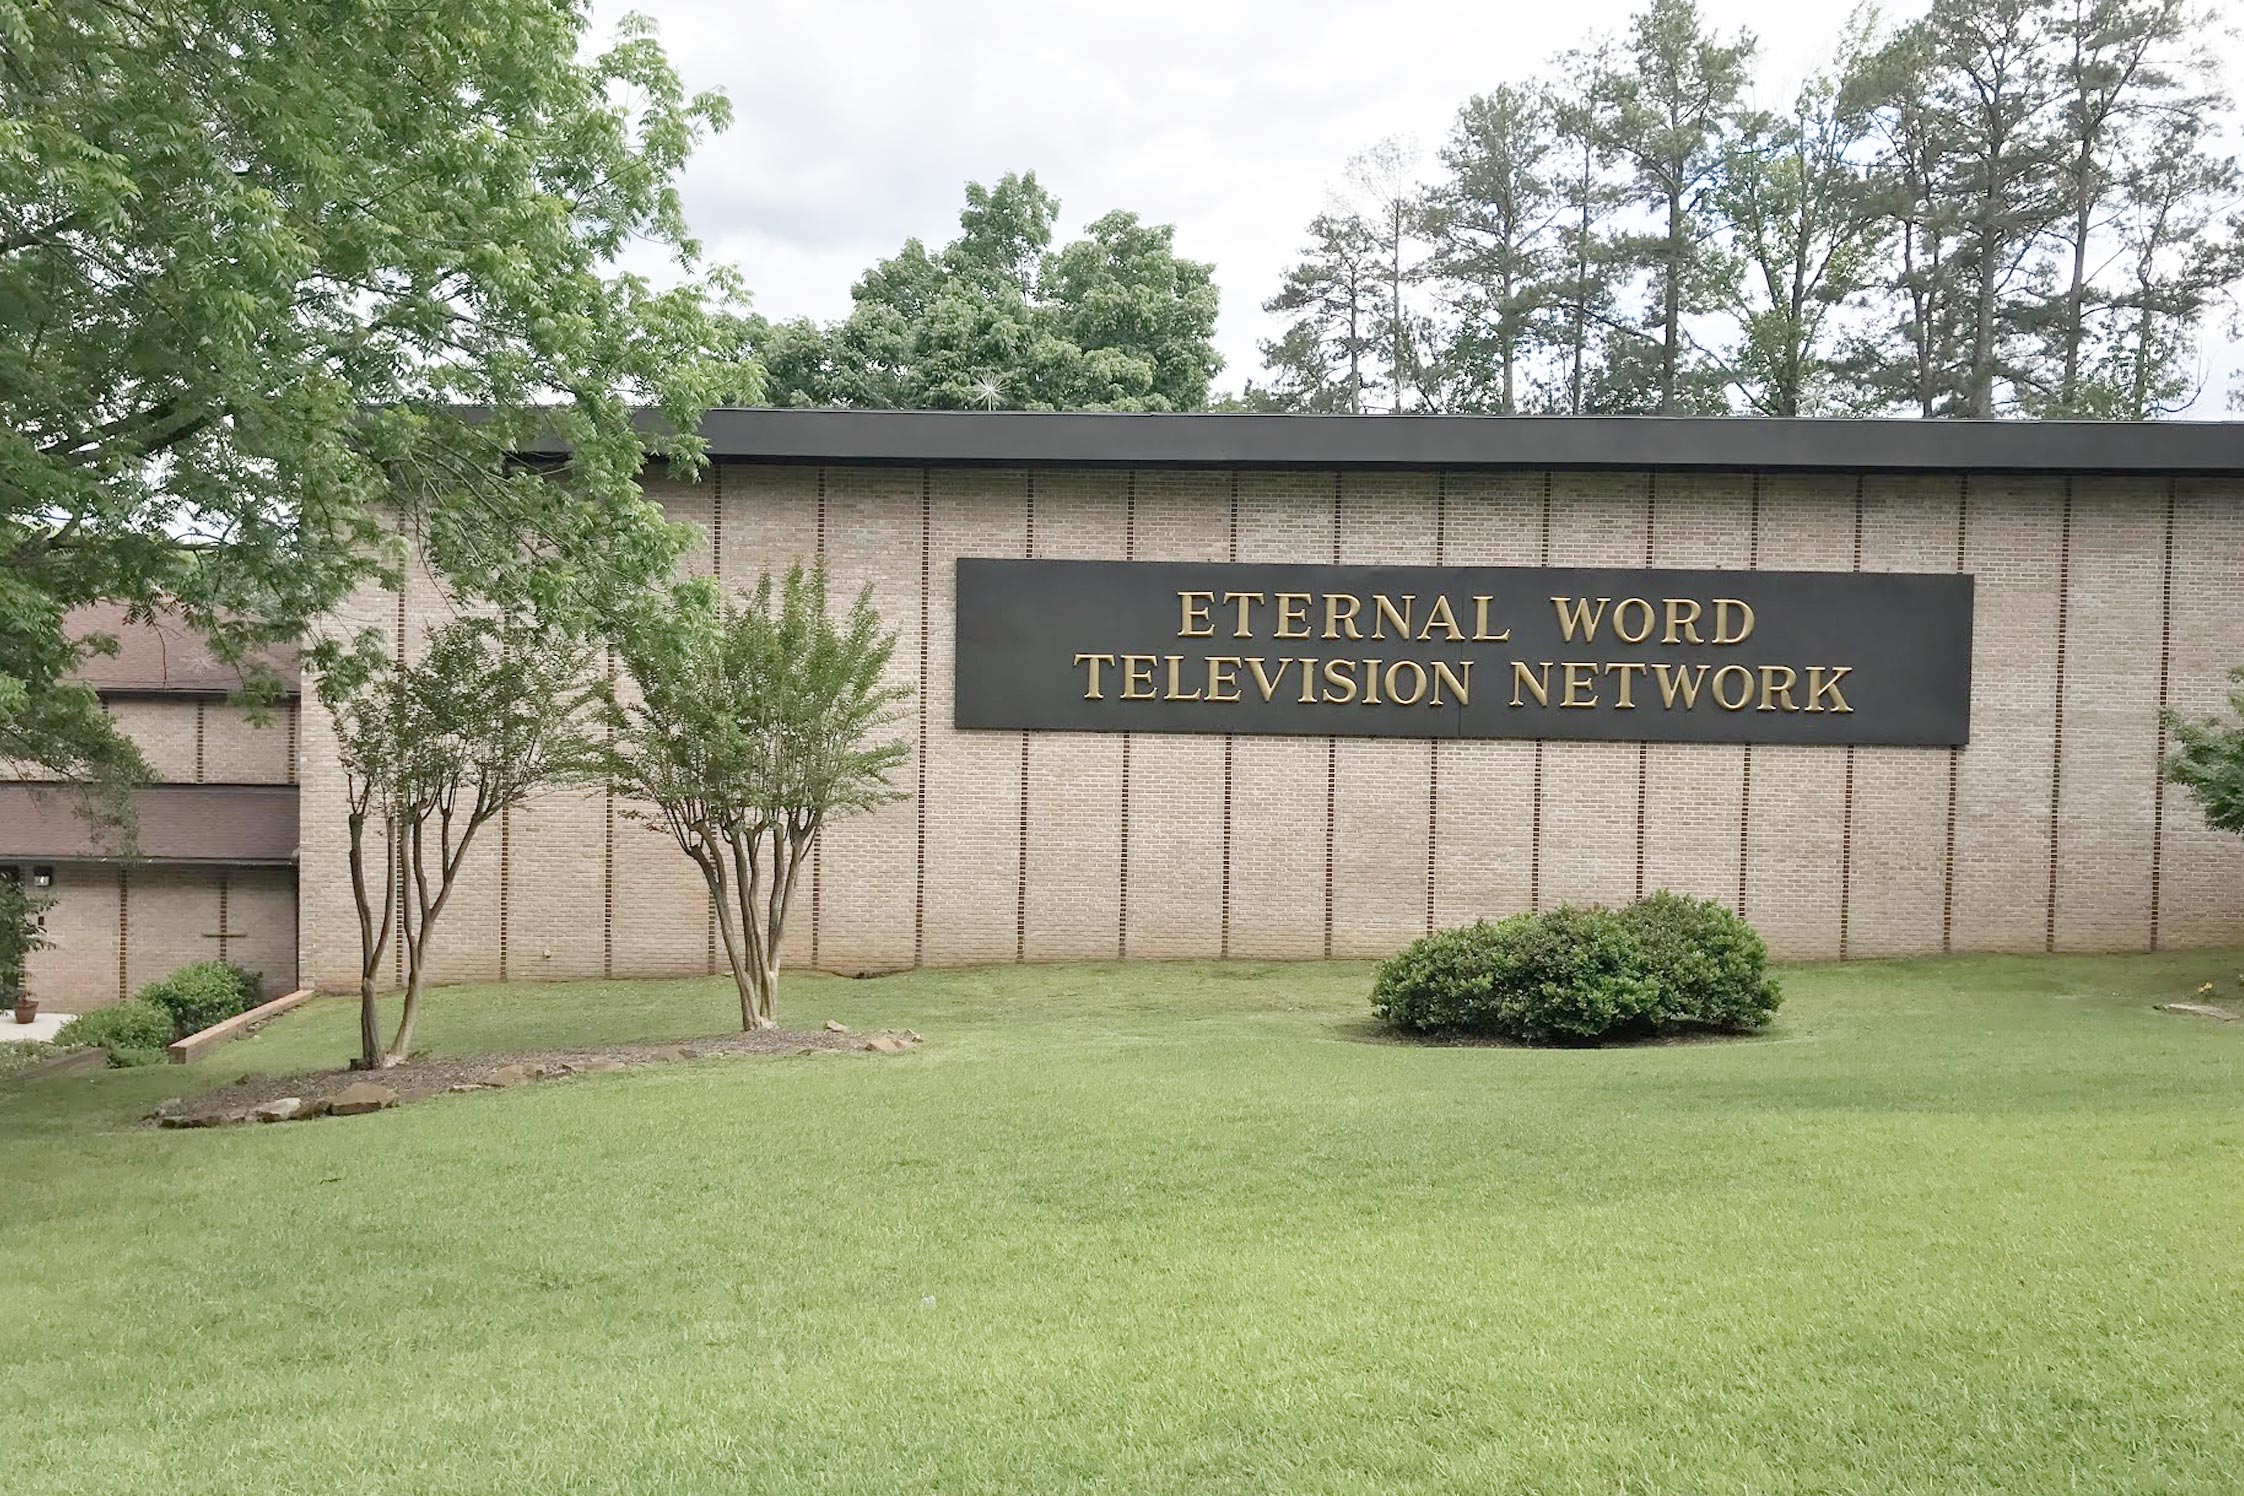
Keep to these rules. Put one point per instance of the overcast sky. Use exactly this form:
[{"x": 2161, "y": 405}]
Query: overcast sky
[{"x": 858, "y": 124}]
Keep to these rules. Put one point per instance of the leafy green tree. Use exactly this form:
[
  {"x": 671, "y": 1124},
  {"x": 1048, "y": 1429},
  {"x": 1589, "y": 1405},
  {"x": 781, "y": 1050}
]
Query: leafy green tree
[
  {"x": 750, "y": 724},
  {"x": 1321, "y": 361},
  {"x": 1585, "y": 286},
  {"x": 21, "y": 933},
  {"x": 2208, "y": 760},
  {"x": 1113, "y": 321},
  {"x": 270, "y": 272},
  {"x": 495, "y": 712},
  {"x": 1669, "y": 115}
]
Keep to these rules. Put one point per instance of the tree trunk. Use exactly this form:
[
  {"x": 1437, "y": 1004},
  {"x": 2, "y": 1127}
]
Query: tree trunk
[
  {"x": 1671, "y": 304},
  {"x": 373, "y": 939}
]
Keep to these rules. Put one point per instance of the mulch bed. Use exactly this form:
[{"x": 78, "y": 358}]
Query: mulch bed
[{"x": 322, "y": 1092}]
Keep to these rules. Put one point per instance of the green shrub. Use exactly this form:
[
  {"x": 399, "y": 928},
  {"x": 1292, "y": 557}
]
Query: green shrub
[
  {"x": 200, "y": 995},
  {"x": 133, "y": 1033},
  {"x": 1711, "y": 968},
  {"x": 1567, "y": 977},
  {"x": 1665, "y": 964}
]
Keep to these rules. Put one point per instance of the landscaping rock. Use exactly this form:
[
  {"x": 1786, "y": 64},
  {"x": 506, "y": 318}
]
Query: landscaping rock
[
  {"x": 220, "y": 1118},
  {"x": 515, "y": 1075},
  {"x": 466, "y": 1085},
  {"x": 601, "y": 1066},
  {"x": 285, "y": 1109},
  {"x": 835, "y": 1026},
  {"x": 2199, "y": 1010},
  {"x": 886, "y": 1044},
  {"x": 361, "y": 1097}
]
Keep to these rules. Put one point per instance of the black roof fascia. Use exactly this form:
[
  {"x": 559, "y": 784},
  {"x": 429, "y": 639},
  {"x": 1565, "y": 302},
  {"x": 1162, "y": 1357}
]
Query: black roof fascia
[{"x": 914, "y": 438}]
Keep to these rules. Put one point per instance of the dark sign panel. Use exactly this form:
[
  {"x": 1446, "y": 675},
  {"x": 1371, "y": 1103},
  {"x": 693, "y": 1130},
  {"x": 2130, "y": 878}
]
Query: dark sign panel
[{"x": 1465, "y": 651}]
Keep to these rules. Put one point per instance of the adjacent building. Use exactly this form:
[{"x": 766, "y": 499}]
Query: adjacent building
[{"x": 213, "y": 871}]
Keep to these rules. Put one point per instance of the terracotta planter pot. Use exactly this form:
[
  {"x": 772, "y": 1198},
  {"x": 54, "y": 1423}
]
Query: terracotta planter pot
[{"x": 27, "y": 1008}]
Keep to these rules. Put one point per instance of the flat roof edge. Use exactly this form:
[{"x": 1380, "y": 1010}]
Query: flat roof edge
[{"x": 1603, "y": 443}]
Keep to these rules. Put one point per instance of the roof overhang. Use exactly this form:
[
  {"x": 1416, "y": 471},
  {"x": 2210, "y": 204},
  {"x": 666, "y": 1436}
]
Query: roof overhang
[
  {"x": 1637, "y": 443},
  {"x": 232, "y": 824}
]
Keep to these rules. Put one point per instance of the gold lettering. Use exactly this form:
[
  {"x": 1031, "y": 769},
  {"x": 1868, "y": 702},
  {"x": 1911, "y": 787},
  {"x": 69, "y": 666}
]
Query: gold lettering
[
  {"x": 1580, "y": 616},
  {"x": 1775, "y": 689},
  {"x": 1620, "y": 610},
  {"x": 1627, "y": 698},
  {"x": 1176, "y": 684},
  {"x": 1481, "y": 635},
  {"x": 1293, "y": 616},
  {"x": 1308, "y": 682},
  {"x": 1223, "y": 676},
  {"x": 1135, "y": 667},
  {"x": 1440, "y": 617},
  {"x": 1579, "y": 677},
  {"x": 1722, "y": 634},
  {"x": 1195, "y": 624},
  {"x": 1541, "y": 687},
  {"x": 1092, "y": 692},
  {"x": 1459, "y": 684},
  {"x": 1682, "y": 621},
  {"x": 1339, "y": 677},
  {"x": 1417, "y": 695},
  {"x": 1818, "y": 688},
  {"x": 1336, "y": 615},
  {"x": 1679, "y": 682},
  {"x": 1745, "y": 680},
  {"x": 1384, "y": 613},
  {"x": 1243, "y": 599},
  {"x": 1371, "y": 683},
  {"x": 1267, "y": 684}
]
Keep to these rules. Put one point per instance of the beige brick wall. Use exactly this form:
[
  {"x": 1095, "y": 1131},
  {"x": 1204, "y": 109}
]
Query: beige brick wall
[
  {"x": 1167, "y": 846},
  {"x": 160, "y": 919}
]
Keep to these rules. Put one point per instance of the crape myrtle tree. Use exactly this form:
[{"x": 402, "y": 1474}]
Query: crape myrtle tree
[
  {"x": 432, "y": 751},
  {"x": 2208, "y": 760},
  {"x": 745, "y": 725},
  {"x": 276, "y": 275}
]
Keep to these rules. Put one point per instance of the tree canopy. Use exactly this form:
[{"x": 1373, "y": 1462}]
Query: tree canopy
[
  {"x": 1999, "y": 207},
  {"x": 999, "y": 319},
  {"x": 271, "y": 272}
]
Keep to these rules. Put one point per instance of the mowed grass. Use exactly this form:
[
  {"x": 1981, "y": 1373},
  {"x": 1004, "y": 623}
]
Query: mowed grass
[{"x": 1967, "y": 1225}]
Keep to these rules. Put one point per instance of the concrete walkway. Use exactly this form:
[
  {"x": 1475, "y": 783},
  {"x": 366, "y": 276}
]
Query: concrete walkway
[{"x": 44, "y": 1027}]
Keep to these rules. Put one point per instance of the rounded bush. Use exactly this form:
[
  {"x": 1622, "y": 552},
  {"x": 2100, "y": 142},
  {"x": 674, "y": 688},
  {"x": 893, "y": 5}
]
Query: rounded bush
[
  {"x": 1666, "y": 964},
  {"x": 1568, "y": 977},
  {"x": 200, "y": 995},
  {"x": 1712, "y": 969},
  {"x": 134, "y": 1033}
]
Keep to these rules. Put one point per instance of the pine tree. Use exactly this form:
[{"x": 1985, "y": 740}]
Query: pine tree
[
  {"x": 1320, "y": 362},
  {"x": 1492, "y": 219},
  {"x": 1669, "y": 118}
]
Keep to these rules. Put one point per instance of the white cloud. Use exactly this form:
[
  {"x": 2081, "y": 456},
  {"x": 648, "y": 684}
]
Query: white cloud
[{"x": 857, "y": 125}]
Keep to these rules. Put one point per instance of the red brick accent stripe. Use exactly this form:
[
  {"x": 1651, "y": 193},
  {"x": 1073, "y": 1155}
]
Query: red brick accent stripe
[
  {"x": 818, "y": 844},
  {"x": 608, "y": 857},
  {"x": 1332, "y": 749},
  {"x": 124, "y": 932},
  {"x": 1745, "y": 770},
  {"x": 506, "y": 837},
  {"x": 2057, "y": 723},
  {"x": 716, "y": 572},
  {"x": 1955, "y": 755},
  {"x": 1223, "y": 902},
  {"x": 2165, "y": 670},
  {"x": 1122, "y": 880},
  {"x": 1021, "y": 840},
  {"x": 919, "y": 859},
  {"x": 1535, "y": 798},
  {"x": 1644, "y": 750},
  {"x": 1846, "y": 792},
  {"x": 1433, "y": 745}
]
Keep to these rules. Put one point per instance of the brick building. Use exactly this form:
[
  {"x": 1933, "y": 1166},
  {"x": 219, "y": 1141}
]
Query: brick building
[
  {"x": 215, "y": 870},
  {"x": 2109, "y": 571}
]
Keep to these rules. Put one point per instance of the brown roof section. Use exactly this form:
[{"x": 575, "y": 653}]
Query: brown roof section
[
  {"x": 164, "y": 656},
  {"x": 238, "y": 823}
]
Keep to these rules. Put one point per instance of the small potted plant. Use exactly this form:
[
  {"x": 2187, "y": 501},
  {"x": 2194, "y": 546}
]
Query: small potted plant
[
  {"x": 27, "y": 1007},
  {"x": 21, "y": 932}
]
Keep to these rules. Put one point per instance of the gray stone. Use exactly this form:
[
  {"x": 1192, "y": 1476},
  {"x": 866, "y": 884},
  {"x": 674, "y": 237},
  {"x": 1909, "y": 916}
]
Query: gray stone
[
  {"x": 836, "y": 1026},
  {"x": 361, "y": 1097},
  {"x": 604, "y": 1065},
  {"x": 2199, "y": 1010},
  {"x": 514, "y": 1075},
  {"x": 886, "y": 1044},
  {"x": 285, "y": 1109}
]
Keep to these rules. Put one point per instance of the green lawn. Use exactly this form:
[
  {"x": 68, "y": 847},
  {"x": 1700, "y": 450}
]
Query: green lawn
[{"x": 1951, "y": 1226}]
